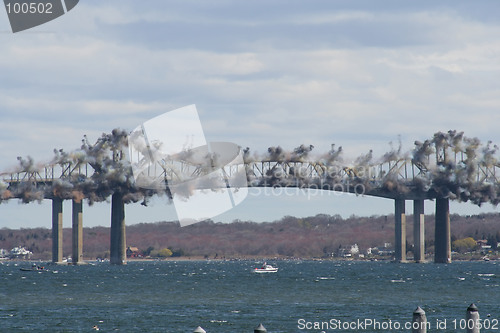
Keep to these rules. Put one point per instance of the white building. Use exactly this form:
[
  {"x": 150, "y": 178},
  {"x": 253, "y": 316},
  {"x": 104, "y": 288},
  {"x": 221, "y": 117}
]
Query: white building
[{"x": 19, "y": 252}]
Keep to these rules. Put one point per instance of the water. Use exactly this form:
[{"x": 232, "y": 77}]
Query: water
[{"x": 220, "y": 296}]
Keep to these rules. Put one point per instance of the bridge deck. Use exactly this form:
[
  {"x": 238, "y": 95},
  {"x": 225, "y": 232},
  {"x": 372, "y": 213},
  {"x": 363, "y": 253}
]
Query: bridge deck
[{"x": 392, "y": 179}]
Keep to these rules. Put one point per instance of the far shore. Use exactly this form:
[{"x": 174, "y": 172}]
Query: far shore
[{"x": 460, "y": 258}]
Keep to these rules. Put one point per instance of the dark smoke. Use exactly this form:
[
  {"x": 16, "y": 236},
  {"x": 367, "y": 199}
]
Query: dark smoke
[
  {"x": 109, "y": 172},
  {"x": 457, "y": 167},
  {"x": 448, "y": 165}
]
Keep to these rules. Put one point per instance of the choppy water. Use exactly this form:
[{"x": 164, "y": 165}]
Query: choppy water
[{"x": 226, "y": 297}]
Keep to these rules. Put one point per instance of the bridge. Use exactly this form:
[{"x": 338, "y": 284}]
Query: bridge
[{"x": 98, "y": 171}]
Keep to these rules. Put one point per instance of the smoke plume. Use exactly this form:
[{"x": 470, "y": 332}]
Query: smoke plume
[{"x": 448, "y": 165}]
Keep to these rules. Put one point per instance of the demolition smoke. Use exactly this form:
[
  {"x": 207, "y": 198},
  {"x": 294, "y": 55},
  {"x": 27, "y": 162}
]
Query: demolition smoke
[
  {"x": 449, "y": 165},
  {"x": 111, "y": 173}
]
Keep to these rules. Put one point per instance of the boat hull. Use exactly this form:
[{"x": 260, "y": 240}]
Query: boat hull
[{"x": 259, "y": 270}]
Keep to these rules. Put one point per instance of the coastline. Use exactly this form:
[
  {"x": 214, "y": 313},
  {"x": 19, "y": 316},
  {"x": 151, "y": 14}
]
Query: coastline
[{"x": 256, "y": 259}]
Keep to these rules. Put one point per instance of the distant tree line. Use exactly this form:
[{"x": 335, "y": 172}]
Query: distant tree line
[{"x": 314, "y": 236}]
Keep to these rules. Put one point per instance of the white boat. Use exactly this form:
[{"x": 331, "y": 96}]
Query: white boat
[{"x": 266, "y": 269}]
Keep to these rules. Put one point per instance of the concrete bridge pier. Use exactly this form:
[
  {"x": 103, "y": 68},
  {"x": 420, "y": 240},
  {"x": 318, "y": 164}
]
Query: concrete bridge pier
[
  {"x": 400, "y": 230},
  {"x": 77, "y": 232},
  {"x": 419, "y": 230},
  {"x": 442, "y": 236},
  {"x": 118, "y": 255},
  {"x": 57, "y": 230}
]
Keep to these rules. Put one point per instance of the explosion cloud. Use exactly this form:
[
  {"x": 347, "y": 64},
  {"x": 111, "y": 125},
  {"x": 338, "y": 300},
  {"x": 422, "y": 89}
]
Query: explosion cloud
[{"x": 448, "y": 165}]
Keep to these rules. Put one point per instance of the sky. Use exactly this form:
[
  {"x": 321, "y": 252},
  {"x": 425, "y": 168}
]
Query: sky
[{"x": 358, "y": 74}]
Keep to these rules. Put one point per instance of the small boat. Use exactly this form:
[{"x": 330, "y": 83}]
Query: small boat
[
  {"x": 266, "y": 269},
  {"x": 33, "y": 268}
]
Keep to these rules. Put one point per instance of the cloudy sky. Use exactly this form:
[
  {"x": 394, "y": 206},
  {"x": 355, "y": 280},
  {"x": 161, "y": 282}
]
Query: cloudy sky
[{"x": 360, "y": 74}]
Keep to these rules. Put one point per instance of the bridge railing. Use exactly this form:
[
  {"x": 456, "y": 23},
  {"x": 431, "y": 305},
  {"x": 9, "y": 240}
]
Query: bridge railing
[
  {"x": 48, "y": 173},
  {"x": 404, "y": 170}
]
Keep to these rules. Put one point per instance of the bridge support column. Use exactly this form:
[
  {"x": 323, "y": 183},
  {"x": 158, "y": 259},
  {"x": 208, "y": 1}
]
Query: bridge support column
[
  {"x": 57, "y": 230},
  {"x": 400, "y": 231},
  {"x": 442, "y": 236},
  {"x": 77, "y": 232},
  {"x": 118, "y": 255},
  {"x": 419, "y": 230}
]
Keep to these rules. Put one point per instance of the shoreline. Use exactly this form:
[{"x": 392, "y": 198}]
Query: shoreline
[{"x": 251, "y": 258}]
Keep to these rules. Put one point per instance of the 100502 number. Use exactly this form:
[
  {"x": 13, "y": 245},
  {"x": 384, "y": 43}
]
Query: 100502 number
[
  {"x": 29, "y": 7},
  {"x": 489, "y": 324}
]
